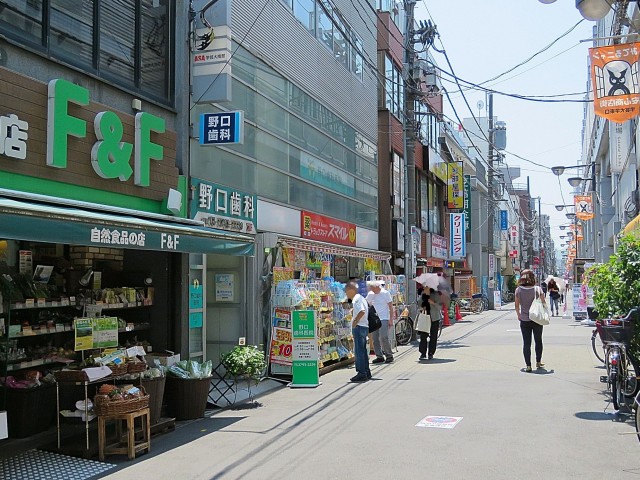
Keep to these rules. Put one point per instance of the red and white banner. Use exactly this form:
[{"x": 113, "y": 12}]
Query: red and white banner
[
  {"x": 584, "y": 206},
  {"x": 326, "y": 229}
]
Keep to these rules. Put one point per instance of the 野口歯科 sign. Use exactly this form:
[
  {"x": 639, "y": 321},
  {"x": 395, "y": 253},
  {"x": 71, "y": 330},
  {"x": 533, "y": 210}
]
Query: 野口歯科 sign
[
  {"x": 305, "y": 367},
  {"x": 224, "y": 208},
  {"x": 221, "y": 128}
]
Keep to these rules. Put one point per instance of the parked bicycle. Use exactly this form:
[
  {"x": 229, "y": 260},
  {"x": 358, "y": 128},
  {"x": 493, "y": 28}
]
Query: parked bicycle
[
  {"x": 484, "y": 298},
  {"x": 473, "y": 305},
  {"x": 622, "y": 366},
  {"x": 404, "y": 327},
  {"x": 508, "y": 297}
]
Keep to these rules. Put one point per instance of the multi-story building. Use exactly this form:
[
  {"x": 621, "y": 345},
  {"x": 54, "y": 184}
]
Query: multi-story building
[{"x": 304, "y": 74}]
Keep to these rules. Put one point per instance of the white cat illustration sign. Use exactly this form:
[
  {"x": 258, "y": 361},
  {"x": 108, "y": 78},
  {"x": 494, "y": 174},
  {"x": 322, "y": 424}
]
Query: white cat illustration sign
[{"x": 616, "y": 81}]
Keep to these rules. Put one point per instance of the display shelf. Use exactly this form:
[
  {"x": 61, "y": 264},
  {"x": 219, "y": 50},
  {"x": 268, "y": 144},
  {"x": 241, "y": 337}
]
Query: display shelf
[
  {"x": 31, "y": 364},
  {"x": 50, "y": 304},
  {"x": 37, "y": 333},
  {"x": 117, "y": 306}
]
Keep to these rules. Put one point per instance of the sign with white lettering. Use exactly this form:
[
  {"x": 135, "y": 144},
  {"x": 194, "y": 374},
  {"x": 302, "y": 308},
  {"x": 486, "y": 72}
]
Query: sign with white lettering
[
  {"x": 220, "y": 128},
  {"x": 326, "y": 229},
  {"x": 224, "y": 208},
  {"x": 13, "y": 137},
  {"x": 458, "y": 239}
]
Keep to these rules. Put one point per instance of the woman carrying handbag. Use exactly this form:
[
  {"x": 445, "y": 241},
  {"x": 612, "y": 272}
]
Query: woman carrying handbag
[{"x": 526, "y": 295}]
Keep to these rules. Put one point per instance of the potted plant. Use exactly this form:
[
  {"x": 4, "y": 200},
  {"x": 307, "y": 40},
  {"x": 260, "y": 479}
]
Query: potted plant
[
  {"x": 245, "y": 362},
  {"x": 616, "y": 284}
]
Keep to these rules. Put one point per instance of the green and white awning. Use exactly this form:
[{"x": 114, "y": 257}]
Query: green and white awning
[{"x": 42, "y": 222}]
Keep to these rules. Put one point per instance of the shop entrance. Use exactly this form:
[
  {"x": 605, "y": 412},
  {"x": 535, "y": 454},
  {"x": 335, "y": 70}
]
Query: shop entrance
[{"x": 226, "y": 308}]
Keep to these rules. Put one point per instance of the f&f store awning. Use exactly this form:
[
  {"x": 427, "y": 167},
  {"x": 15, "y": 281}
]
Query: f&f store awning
[{"x": 40, "y": 222}]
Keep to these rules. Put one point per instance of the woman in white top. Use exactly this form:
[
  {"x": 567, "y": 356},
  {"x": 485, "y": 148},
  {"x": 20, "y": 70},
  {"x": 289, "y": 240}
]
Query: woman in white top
[{"x": 524, "y": 297}]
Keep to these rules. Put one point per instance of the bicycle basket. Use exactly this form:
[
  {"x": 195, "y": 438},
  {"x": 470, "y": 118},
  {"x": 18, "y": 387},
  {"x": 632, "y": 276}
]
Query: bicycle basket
[{"x": 617, "y": 333}]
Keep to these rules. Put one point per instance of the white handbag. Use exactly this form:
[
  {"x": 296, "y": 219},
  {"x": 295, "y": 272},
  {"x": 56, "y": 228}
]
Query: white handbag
[
  {"x": 423, "y": 323},
  {"x": 538, "y": 312}
]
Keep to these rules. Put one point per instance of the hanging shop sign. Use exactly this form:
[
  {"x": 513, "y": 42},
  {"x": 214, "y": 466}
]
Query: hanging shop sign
[
  {"x": 504, "y": 220},
  {"x": 221, "y": 128},
  {"x": 437, "y": 165},
  {"x": 492, "y": 264},
  {"x": 326, "y": 229},
  {"x": 467, "y": 202},
  {"x": 439, "y": 247},
  {"x": 616, "y": 86},
  {"x": 620, "y": 146},
  {"x": 457, "y": 237},
  {"x": 304, "y": 338},
  {"x": 455, "y": 186},
  {"x": 82, "y": 150},
  {"x": 515, "y": 236},
  {"x": 224, "y": 208},
  {"x": 211, "y": 52}
]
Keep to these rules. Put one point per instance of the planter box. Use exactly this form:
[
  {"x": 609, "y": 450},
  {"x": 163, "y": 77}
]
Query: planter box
[{"x": 186, "y": 398}]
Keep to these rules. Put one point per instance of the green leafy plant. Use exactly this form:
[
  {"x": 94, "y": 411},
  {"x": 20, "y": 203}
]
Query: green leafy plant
[
  {"x": 616, "y": 284},
  {"x": 244, "y": 361}
]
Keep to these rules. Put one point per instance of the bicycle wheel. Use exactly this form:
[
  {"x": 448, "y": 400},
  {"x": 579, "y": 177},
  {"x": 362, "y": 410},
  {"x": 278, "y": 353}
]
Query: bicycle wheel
[
  {"x": 403, "y": 331},
  {"x": 485, "y": 303},
  {"x": 597, "y": 346},
  {"x": 638, "y": 421},
  {"x": 630, "y": 384},
  {"x": 616, "y": 394}
]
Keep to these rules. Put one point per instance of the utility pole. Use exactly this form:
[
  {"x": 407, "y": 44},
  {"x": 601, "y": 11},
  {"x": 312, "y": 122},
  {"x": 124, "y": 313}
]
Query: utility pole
[
  {"x": 490, "y": 204},
  {"x": 540, "y": 256},
  {"x": 409, "y": 152}
]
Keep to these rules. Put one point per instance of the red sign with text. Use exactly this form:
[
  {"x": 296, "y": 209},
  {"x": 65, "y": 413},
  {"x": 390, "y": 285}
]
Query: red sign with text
[{"x": 325, "y": 229}]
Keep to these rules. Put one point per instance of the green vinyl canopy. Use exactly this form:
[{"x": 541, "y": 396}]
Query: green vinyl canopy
[{"x": 42, "y": 222}]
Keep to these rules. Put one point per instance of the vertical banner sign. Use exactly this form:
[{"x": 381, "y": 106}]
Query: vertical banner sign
[
  {"x": 492, "y": 264},
  {"x": 455, "y": 186},
  {"x": 220, "y": 128},
  {"x": 620, "y": 148},
  {"x": 305, "y": 349},
  {"x": 504, "y": 220},
  {"x": 584, "y": 207},
  {"x": 457, "y": 237},
  {"x": 616, "y": 87},
  {"x": 467, "y": 203}
]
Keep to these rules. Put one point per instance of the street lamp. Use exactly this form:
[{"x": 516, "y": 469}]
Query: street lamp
[
  {"x": 590, "y": 9},
  {"x": 571, "y": 215},
  {"x": 560, "y": 207},
  {"x": 575, "y": 181}
]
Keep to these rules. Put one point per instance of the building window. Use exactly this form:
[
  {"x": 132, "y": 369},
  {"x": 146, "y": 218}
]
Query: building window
[
  {"x": 325, "y": 28},
  {"x": 340, "y": 47},
  {"x": 305, "y": 12},
  {"x": 394, "y": 88},
  {"x": 129, "y": 42},
  {"x": 397, "y": 179}
]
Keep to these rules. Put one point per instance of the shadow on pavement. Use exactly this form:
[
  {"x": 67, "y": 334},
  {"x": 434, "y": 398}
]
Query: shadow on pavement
[
  {"x": 597, "y": 416},
  {"x": 436, "y": 360},
  {"x": 445, "y": 345},
  {"x": 539, "y": 371}
]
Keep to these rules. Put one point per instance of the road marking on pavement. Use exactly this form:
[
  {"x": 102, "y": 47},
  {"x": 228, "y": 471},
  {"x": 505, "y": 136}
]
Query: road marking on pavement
[
  {"x": 439, "y": 422},
  {"x": 514, "y": 330}
]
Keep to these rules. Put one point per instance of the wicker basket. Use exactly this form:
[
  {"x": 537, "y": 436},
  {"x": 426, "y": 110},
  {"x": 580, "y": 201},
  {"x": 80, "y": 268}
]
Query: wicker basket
[
  {"x": 102, "y": 405},
  {"x": 71, "y": 376},
  {"x": 136, "y": 367},
  {"x": 118, "y": 370}
]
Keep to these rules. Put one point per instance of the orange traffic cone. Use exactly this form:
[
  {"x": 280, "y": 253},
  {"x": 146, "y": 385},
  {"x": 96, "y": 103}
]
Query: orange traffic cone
[
  {"x": 446, "y": 321},
  {"x": 458, "y": 314}
]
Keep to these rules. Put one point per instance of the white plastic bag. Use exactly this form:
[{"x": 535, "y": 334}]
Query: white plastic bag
[
  {"x": 539, "y": 312},
  {"x": 423, "y": 323}
]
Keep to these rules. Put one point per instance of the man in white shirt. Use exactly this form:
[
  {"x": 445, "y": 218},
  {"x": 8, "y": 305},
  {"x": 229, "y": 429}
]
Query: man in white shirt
[
  {"x": 382, "y": 301},
  {"x": 360, "y": 330}
]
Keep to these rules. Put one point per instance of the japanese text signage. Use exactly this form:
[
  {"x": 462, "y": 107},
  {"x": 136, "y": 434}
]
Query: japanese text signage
[
  {"x": 455, "y": 186},
  {"x": 515, "y": 236},
  {"x": 439, "y": 247},
  {"x": 492, "y": 264},
  {"x": 616, "y": 88},
  {"x": 110, "y": 155},
  {"x": 304, "y": 336},
  {"x": 584, "y": 207},
  {"x": 319, "y": 227},
  {"x": 504, "y": 220},
  {"x": 224, "y": 208},
  {"x": 457, "y": 236},
  {"x": 220, "y": 128},
  {"x": 620, "y": 146},
  {"x": 467, "y": 202},
  {"x": 13, "y": 137}
]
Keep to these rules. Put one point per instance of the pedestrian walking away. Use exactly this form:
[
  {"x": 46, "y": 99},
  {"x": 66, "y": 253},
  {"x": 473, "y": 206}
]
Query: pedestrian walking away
[
  {"x": 554, "y": 295},
  {"x": 436, "y": 301},
  {"x": 382, "y": 301},
  {"x": 360, "y": 330},
  {"x": 526, "y": 293},
  {"x": 424, "y": 326}
]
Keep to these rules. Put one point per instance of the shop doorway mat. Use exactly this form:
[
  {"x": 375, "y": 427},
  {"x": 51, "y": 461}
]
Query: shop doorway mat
[{"x": 41, "y": 465}]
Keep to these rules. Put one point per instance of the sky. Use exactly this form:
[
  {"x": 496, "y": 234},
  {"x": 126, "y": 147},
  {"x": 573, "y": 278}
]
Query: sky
[{"x": 486, "y": 38}]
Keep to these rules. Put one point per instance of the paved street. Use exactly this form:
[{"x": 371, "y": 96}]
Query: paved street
[{"x": 548, "y": 425}]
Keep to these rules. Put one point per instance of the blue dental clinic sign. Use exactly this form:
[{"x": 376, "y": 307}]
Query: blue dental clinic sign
[
  {"x": 221, "y": 128},
  {"x": 504, "y": 220}
]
